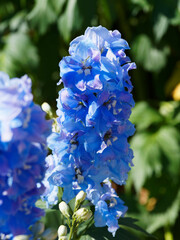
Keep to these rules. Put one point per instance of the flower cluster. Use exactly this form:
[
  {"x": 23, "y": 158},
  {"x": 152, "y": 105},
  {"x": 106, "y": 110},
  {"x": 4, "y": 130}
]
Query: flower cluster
[
  {"x": 93, "y": 111},
  {"x": 23, "y": 133}
]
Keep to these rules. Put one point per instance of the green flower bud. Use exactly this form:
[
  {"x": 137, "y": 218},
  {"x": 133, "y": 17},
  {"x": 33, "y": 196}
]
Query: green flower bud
[
  {"x": 64, "y": 208},
  {"x": 80, "y": 197},
  {"x": 21, "y": 237},
  {"x": 62, "y": 231},
  {"x": 82, "y": 214}
]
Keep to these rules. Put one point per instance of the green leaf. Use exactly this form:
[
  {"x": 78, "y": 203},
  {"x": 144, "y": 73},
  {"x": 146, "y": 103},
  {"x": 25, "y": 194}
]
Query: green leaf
[
  {"x": 171, "y": 111},
  {"x": 151, "y": 150},
  {"x": 151, "y": 58},
  {"x": 86, "y": 237},
  {"x": 101, "y": 233},
  {"x": 166, "y": 209},
  {"x": 176, "y": 19},
  {"x": 18, "y": 20},
  {"x": 155, "y": 221},
  {"x": 157, "y": 168},
  {"x": 156, "y": 60},
  {"x": 141, "y": 48},
  {"x": 3, "y": 26},
  {"x": 41, "y": 204},
  {"x": 143, "y": 4},
  {"x": 53, "y": 218},
  {"x": 19, "y": 54},
  {"x": 43, "y": 14},
  {"x": 60, "y": 193},
  {"x": 37, "y": 229},
  {"x": 143, "y": 115},
  {"x": 168, "y": 140},
  {"x": 57, "y": 5},
  {"x": 82, "y": 229},
  {"x": 126, "y": 224},
  {"x": 130, "y": 222},
  {"x": 69, "y": 20},
  {"x": 161, "y": 26},
  {"x": 49, "y": 234},
  {"x": 147, "y": 158}
]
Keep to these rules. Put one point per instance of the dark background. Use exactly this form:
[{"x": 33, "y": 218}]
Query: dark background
[{"x": 35, "y": 35}]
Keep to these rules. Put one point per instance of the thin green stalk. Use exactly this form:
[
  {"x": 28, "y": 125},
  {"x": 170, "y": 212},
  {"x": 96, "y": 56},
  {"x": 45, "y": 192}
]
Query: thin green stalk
[{"x": 72, "y": 229}]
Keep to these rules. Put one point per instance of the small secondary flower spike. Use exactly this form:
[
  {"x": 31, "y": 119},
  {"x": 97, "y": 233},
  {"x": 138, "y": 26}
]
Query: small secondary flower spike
[
  {"x": 23, "y": 133},
  {"x": 93, "y": 111}
]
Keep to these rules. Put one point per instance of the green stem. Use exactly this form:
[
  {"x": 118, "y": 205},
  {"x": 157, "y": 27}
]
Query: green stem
[
  {"x": 74, "y": 224},
  {"x": 75, "y": 235},
  {"x": 71, "y": 230},
  {"x": 68, "y": 222}
]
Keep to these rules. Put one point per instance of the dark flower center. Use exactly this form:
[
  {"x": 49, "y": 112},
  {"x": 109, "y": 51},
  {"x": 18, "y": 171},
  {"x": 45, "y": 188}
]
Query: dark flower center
[{"x": 107, "y": 135}]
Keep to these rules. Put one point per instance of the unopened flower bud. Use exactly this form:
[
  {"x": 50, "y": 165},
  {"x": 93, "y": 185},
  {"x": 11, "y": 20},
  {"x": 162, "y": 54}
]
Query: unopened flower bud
[
  {"x": 21, "y": 237},
  {"x": 64, "y": 208},
  {"x": 62, "y": 238},
  {"x": 62, "y": 231},
  {"x": 80, "y": 197},
  {"x": 82, "y": 214},
  {"x": 46, "y": 107}
]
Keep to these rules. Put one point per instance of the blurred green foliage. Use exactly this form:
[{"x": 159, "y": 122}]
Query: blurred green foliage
[
  {"x": 156, "y": 174},
  {"x": 34, "y": 36}
]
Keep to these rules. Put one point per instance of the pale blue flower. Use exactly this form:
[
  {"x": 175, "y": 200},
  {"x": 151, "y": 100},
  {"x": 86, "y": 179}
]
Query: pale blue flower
[{"x": 23, "y": 133}]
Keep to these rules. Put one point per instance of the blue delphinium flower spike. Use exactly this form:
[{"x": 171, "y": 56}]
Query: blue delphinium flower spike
[
  {"x": 23, "y": 133},
  {"x": 93, "y": 112}
]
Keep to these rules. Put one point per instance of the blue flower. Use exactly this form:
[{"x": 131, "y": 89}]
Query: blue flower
[
  {"x": 81, "y": 68},
  {"x": 50, "y": 194},
  {"x": 108, "y": 206},
  {"x": 102, "y": 39},
  {"x": 15, "y": 95},
  {"x": 23, "y": 133},
  {"x": 93, "y": 116},
  {"x": 73, "y": 175}
]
